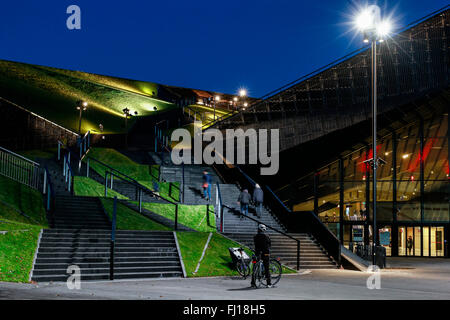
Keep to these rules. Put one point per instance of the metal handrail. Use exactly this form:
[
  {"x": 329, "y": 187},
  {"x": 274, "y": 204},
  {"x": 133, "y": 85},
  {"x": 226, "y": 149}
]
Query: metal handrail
[
  {"x": 19, "y": 156},
  {"x": 276, "y": 230},
  {"x": 138, "y": 186}
]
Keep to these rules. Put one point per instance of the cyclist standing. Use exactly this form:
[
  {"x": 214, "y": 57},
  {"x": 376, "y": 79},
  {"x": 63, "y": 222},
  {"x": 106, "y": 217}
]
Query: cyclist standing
[{"x": 262, "y": 248}]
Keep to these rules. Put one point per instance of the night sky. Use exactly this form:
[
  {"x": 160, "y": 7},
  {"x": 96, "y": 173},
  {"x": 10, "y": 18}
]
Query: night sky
[{"x": 218, "y": 45}]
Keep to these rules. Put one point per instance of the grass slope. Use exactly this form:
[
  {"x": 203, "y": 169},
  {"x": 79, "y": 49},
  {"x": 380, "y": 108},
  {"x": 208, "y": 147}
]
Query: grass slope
[
  {"x": 17, "y": 249},
  {"x": 22, "y": 215},
  {"x": 86, "y": 187},
  {"x": 128, "y": 219},
  {"x": 54, "y": 93},
  {"x": 24, "y": 199},
  {"x": 195, "y": 217},
  {"x": 217, "y": 260},
  {"x": 144, "y": 174}
]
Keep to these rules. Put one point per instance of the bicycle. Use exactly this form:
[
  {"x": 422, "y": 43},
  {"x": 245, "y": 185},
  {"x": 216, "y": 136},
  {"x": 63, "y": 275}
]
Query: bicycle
[
  {"x": 260, "y": 275},
  {"x": 243, "y": 267}
]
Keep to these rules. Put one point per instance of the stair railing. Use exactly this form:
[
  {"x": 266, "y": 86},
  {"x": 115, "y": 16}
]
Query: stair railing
[
  {"x": 123, "y": 177},
  {"x": 84, "y": 145},
  {"x": 22, "y": 170},
  {"x": 276, "y": 230},
  {"x": 113, "y": 240},
  {"x": 219, "y": 208},
  {"x": 50, "y": 192},
  {"x": 140, "y": 189},
  {"x": 303, "y": 222}
]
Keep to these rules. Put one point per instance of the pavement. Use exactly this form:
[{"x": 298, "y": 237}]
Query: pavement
[{"x": 408, "y": 279}]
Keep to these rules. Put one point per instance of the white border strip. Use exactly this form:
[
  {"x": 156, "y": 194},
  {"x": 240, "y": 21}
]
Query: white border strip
[
  {"x": 203, "y": 253},
  {"x": 35, "y": 255},
  {"x": 179, "y": 255}
]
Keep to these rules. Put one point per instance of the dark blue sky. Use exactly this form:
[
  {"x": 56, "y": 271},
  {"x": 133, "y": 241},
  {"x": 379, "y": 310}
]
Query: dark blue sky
[{"x": 207, "y": 44}]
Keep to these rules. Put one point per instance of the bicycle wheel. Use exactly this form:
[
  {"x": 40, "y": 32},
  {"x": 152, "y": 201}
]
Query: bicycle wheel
[
  {"x": 243, "y": 269},
  {"x": 275, "y": 272},
  {"x": 258, "y": 274}
]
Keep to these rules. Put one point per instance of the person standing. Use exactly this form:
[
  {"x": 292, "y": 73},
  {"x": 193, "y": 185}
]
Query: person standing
[
  {"x": 258, "y": 198},
  {"x": 262, "y": 249},
  {"x": 409, "y": 244},
  {"x": 206, "y": 185},
  {"x": 244, "y": 201}
]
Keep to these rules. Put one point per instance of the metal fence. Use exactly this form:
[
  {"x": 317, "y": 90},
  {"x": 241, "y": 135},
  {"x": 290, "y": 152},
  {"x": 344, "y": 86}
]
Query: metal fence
[{"x": 22, "y": 170}]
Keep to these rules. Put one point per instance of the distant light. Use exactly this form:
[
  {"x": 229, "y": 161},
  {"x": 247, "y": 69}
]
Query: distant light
[
  {"x": 85, "y": 104},
  {"x": 405, "y": 156},
  {"x": 217, "y": 98},
  {"x": 386, "y": 153},
  {"x": 243, "y": 93},
  {"x": 235, "y": 99},
  {"x": 245, "y": 104},
  {"x": 412, "y": 178}
]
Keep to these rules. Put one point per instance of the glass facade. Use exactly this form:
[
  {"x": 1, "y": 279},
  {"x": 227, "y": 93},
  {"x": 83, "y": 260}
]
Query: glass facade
[{"x": 413, "y": 191}]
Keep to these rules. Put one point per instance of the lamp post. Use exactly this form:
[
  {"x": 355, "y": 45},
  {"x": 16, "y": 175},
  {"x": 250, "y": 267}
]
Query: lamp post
[
  {"x": 374, "y": 30},
  {"x": 216, "y": 98},
  {"x": 82, "y": 106},
  {"x": 127, "y": 113},
  {"x": 243, "y": 95}
]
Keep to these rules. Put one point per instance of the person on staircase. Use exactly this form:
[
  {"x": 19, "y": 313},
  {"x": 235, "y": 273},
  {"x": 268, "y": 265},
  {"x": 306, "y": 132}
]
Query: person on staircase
[
  {"x": 258, "y": 198},
  {"x": 206, "y": 185},
  {"x": 244, "y": 201}
]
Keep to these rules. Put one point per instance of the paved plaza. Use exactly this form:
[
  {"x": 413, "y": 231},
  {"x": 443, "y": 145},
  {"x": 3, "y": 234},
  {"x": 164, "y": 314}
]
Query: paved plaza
[{"x": 403, "y": 279}]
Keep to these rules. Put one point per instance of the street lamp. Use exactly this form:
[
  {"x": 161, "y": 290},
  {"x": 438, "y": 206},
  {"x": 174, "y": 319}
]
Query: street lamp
[
  {"x": 217, "y": 98},
  {"x": 82, "y": 106},
  {"x": 127, "y": 113},
  {"x": 374, "y": 30}
]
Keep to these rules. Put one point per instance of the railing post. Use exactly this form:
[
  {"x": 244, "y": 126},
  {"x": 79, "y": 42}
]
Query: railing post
[
  {"x": 59, "y": 150},
  {"x": 70, "y": 181},
  {"x": 106, "y": 184},
  {"x": 140, "y": 200},
  {"x": 87, "y": 168},
  {"x": 113, "y": 240},
  {"x": 48, "y": 197},
  {"x": 64, "y": 166},
  {"x": 176, "y": 217},
  {"x": 182, "y": 169},
  {"x": 298, "y": 255},
  {"x": 112, "y": 180},
  {"x": 44, "y": 188}
]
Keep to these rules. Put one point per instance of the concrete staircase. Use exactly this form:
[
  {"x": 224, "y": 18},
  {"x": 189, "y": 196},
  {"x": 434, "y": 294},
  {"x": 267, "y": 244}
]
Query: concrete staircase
[
  {"x": 73, "y": 212},
  {"x": 242, "y": 230},
  {"x": 312, "y": 256},
  {"x": 138, "y": 254},
  {"x": 80, "y": 235}
]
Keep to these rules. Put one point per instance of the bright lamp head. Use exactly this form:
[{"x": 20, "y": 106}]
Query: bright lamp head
[
  {"x": 243, "y": 92},
  {"x": 365, "y": 20},
  {"x": 384, "y": 28}
]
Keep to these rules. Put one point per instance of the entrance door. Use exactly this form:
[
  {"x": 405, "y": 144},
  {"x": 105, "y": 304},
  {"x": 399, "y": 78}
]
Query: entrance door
[{"x": 437, "y": 241}]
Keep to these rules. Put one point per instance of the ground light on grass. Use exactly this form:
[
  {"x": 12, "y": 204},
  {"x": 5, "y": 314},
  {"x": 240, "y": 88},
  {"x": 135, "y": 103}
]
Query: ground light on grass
[
  {"x": 195, "y": 217},
  {"x": 86, "y": 187},
  {"x": 128, "y": 219}
]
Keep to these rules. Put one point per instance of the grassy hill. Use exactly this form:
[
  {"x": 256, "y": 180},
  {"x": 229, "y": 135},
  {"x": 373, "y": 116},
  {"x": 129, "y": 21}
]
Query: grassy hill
[
  {"x": 22, "y": 216},
  {"x": 54, "y": 93}
]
